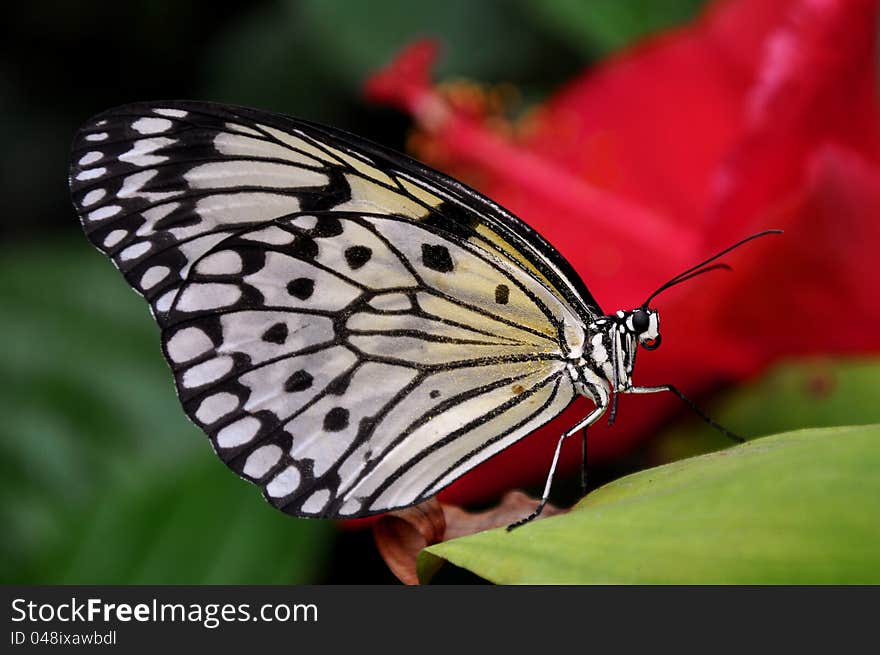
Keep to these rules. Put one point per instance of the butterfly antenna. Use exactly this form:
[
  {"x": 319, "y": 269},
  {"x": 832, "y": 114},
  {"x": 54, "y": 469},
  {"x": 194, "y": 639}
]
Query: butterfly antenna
[
  {"x": 678, "y": 279},
  {"x": 703, "y": 267}
]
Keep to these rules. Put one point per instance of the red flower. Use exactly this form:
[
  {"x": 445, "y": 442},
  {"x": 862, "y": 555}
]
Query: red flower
[{"x": 761, "y": 114}]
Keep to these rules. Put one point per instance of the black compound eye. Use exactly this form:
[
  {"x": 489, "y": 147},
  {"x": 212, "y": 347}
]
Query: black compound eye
[{"x": 640, "y": 321}]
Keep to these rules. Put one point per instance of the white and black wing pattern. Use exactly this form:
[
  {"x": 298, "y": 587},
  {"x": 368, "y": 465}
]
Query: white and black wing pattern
[{"x": 353, "y": 330}]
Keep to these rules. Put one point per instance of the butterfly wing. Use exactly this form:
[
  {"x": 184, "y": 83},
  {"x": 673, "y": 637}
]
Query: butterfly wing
[{"x": 353, "y": 330}]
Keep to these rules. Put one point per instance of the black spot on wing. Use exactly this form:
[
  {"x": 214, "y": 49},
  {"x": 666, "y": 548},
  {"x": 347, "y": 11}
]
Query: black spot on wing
[
  {"x": 304, "y": 247},
  {"x": 453, "y": 219},
  {"x": 357, "y": 256},
  {"x": 502, "y": 294},
  {"x": 326, "y": 227},
  {"x": 301, "y": 287},
  {"x": 299, "y": 381},
  {"x": 437, "y": 258},
  {"x": 276, "y": 334},
  {"x": 336, "y": 419}
]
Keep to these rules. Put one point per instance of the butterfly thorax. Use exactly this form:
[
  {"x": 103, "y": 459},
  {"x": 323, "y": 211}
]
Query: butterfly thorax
[{"x": 610, "y": 351}]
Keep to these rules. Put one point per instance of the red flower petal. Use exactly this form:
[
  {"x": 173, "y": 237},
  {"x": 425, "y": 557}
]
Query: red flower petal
[
  {"x": 406, "y": 82},
  {"x": 816, "y": 84},
  {"x": 818, "y": 291}
]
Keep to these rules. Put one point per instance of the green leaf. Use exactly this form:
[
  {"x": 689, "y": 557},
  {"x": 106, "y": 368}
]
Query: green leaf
[
  {"x": 478, "y": 37},
  {"x": 818, "y": 391},
  {"x": 795, "y": 508},
  {"x": 604, "y": 26},
  {"x": 104, "y": 481},
  {"x": 311, "y": 57}
]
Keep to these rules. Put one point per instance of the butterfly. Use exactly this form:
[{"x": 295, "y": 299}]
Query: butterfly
[{"x": 352, "y": 329}]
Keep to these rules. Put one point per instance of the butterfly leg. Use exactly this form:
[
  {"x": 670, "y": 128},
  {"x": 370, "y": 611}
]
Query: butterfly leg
[
  {"x": 593, "y": 416},
  {"x": 690, "y": 403},
  {"x": 584, "y": 461}
]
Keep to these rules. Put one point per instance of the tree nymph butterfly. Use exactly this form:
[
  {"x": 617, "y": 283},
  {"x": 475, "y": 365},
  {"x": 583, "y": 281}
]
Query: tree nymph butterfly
[{"x": 352, "y": 329}]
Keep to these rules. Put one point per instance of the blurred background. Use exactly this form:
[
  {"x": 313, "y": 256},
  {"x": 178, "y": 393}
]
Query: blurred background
[{"x": 103, "y": 478}]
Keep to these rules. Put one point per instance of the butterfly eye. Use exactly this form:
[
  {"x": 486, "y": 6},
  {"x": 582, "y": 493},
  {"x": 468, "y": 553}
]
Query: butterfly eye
[
  {"x": 640, "y": 321},
  {"x": 653, "y": 344}
]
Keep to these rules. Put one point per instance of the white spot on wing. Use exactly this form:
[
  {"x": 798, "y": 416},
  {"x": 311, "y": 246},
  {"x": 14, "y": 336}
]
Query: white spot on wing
[
  {"x": 187, "y": 344},
  {"x": 272, "y": 234},
  {"x": 261, "y": 460},
  {"x": 216, "y": 407},
  {"x": 90, "y": 158},
  {"x": 104, "y": 212},
  {"x": 173, "y": 113},
  {"x": 153, "y": 276},
  {"x": 114, "y": 237},
  {"x": 135, "y": 251},
  {"x": 98, "y": 136},
  {"x": 208, "y": 295},
  {"x": 350, "y": 506},
  {"x": 305, "y": 222},
  {"x": 391, "y": 302},
  {"x": 316, "y": 502},
  {"x": 164, "y": 303},
  {"x": 206, "y": 372},
  {"x": 225, "y": 262},
  {"x": 91, "y": 173},
  {"x": 93, "y": 196},
  {"x": 238, "y": 433},
  {"x": 283, "y": 484},
  {"x": 151, "y": 125}
]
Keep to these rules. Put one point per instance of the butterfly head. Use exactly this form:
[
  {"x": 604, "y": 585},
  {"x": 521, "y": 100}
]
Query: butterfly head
[{"x": 643, "y": 323}]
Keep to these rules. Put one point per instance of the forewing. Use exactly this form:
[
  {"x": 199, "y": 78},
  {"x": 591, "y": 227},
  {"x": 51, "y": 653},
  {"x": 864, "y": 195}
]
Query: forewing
[{"x": 158, "y": 184}]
